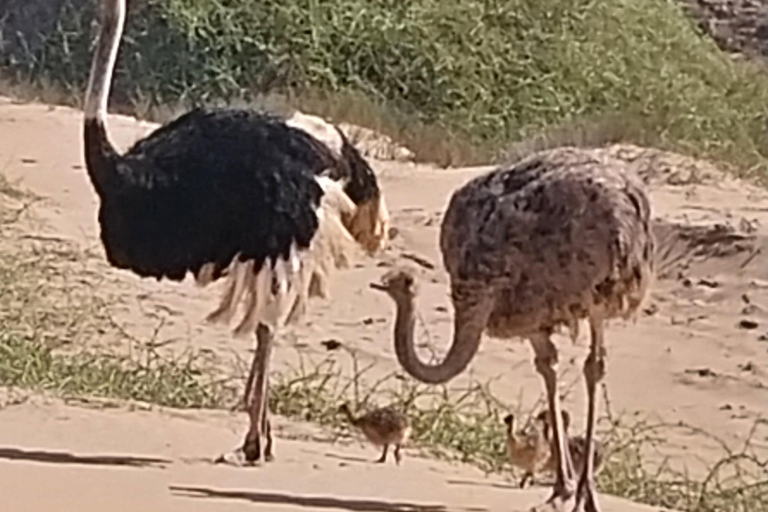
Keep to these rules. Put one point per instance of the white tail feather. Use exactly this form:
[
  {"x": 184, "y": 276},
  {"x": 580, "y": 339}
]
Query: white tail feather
[{"x": 331, "y": 247}]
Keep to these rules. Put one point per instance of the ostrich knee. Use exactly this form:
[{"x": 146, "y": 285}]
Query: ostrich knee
[{"x": 594, "y": 369}]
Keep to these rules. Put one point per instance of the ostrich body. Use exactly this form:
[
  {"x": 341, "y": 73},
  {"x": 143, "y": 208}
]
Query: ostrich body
[
  {"x": 527, "y": 451},
  {"x": 560, "y": 236},
  {"x": 382, "y": 427},
  {"x": 271, "y": 205}
]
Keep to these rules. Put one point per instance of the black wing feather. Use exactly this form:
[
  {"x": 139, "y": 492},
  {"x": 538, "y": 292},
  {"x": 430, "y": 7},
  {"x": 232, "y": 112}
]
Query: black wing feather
[{"x": 210, "y": 185}]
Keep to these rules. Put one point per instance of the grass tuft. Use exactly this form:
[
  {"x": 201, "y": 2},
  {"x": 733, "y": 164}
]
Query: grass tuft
[{"x": 180, "y": 383}]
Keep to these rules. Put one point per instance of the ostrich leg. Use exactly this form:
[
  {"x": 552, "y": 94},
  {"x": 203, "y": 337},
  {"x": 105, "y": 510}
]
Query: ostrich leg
[
  {"x": 594, "y": 371},
  {"x": 266, "y": 426},
  {"x": 249, "y": 383},
  {"x": 383, "y": 457},
  {"x": 257, "y": 409},
  {"x": 546, "y": 365}
]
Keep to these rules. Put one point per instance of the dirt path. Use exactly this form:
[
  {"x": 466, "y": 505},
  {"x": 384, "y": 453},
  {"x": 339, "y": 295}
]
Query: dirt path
[
  {"x": 691, "y": 358},
  {"x": 65, "y": 458}
]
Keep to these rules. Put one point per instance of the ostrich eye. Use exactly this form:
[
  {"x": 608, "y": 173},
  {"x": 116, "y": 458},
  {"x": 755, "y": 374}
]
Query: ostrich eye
[{"x": 408, "y": 280}]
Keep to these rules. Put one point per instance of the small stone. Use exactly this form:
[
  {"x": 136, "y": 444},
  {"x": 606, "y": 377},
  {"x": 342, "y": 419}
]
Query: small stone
[
  {"x": 331, "y": 344},
  {"x": 651, "y": 310},
  {"x": 701, "y": 372},
  {"x": 746, "y": 323},
  {"x": 747, "y": 367},
  {"x": 751, "y": 309}
]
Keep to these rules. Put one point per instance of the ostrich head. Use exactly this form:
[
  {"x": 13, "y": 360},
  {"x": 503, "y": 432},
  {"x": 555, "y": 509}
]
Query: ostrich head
[
  {"x": 509, "y": 419},
  {"x": 544, "y": 418},
  {"x": 369, "y": 225},
  {"x": 400, "y": 284}
]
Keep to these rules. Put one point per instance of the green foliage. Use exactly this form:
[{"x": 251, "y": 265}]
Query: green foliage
[{"x": 489, "y": 72}]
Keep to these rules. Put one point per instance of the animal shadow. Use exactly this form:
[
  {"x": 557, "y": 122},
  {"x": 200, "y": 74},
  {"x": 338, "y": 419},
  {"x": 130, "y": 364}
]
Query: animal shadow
[
  {"x": 352, "y": 504},
  {"x": 348, "y": 458},
  {"x": 495, "y": 485},
  {"x": 49, "y": 457}
]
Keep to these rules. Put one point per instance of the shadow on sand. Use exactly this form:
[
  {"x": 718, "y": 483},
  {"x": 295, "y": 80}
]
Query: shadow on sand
[
  {"x": 353, "y": 504},
  {"x": 18, "y": 454}
]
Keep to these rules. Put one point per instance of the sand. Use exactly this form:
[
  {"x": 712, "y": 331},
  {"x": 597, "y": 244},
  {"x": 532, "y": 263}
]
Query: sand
[{"x": 689, "y": 358}]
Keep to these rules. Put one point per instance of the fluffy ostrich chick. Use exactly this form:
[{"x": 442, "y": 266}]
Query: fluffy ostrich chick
[
  {"x": 383, "y": 427},
  {"x": 577, "y": 445},
  {"x": 528, "y": 451}
]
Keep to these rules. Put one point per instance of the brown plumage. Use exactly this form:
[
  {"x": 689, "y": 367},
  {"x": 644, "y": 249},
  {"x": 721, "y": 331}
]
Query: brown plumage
[
  {"x": 382, "y": 427},
  {"x": 527, "y": 450},
  {"x": 577, "y": 445},
  {"x": 559, "y": 237}
]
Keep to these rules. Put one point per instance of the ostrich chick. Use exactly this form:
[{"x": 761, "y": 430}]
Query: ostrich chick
[
  {"x": 561, "y": 236},
  {"x": 382, "y": 427},
  {"x": 527, "y": 451},
  {"x": 577, "y": 445}
]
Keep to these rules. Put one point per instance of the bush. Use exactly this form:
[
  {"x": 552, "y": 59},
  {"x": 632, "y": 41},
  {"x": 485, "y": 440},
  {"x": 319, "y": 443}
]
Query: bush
[{"x": 486, "y": 72}]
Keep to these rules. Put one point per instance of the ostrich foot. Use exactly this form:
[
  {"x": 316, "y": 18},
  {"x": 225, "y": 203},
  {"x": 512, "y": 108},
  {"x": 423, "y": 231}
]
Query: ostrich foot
[
  {"x": 586, "y": 497},
  {"x": 553, "y": 504},
  {"x": 383, "y": 458},
  {"x": 248, "y": 455},
  {"x": 235, "y": 458},
  {"x": 561, "y": 496}
]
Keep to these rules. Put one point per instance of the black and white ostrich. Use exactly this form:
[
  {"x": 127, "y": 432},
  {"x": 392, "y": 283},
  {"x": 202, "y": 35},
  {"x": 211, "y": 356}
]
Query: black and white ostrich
[{"x": 271, "y": 205}]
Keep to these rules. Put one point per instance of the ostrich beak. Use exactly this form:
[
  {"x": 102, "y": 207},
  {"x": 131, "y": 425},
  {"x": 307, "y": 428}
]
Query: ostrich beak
[{"x": 378, "y": 286}]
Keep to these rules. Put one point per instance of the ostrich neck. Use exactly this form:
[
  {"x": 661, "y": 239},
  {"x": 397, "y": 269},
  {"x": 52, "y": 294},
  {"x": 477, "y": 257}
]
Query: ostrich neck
[
  {"x": 468, "y": 328},
  {"x": 405, "y": 327},
  {"x": 100, "y": 155},
  {"x": 105, "y": 57},
  {"x": 351, "y": 417}
]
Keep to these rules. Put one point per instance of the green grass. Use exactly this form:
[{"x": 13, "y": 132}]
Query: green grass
[
  {"x": 50, "y": 316},
  {"x": 466, "y": 425},
  {"x": 182, "y": 383},
  {"x": 457, "y": 80}
]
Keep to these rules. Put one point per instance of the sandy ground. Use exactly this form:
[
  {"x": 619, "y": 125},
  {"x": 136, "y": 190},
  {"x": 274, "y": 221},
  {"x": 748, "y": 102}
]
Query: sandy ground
[
  {"x": 88, "y": 458},
  {"x": 689, "y": 358}
]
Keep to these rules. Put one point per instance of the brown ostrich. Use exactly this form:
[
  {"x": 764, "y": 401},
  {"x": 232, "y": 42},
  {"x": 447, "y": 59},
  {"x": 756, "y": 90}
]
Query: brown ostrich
[{"x": 558, "y": 237}]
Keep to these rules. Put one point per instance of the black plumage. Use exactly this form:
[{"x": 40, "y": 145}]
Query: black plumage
[
  {"x": 208, "y": 186},
  {"x": 283, "y": 196}
]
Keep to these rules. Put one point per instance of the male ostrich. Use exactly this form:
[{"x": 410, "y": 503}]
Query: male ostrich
[
  {"x": 561, "y": 236},
  {"x": 272, "y": 205}
]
